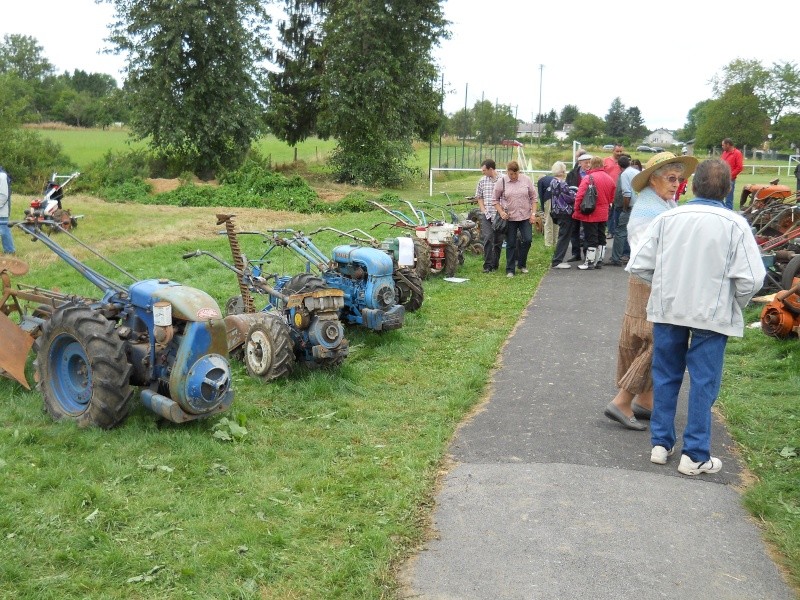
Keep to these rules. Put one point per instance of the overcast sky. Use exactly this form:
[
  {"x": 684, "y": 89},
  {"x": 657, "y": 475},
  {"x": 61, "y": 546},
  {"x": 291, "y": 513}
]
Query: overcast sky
[{"x": 658, "y": 57}]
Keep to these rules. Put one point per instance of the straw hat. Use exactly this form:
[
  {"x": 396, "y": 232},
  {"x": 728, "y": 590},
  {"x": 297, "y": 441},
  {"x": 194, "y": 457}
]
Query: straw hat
[{"x": 659, "y": 160}]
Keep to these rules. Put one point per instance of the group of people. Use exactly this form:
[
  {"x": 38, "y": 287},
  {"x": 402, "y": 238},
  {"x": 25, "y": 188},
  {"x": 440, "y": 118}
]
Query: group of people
[{"x": 693, "y": 268}]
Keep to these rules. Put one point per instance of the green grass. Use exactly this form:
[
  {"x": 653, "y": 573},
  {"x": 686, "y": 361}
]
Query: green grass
[
  {"x": 85, "y": 146},
  {"x": 330, "y": 489},
  {"x": 324, "y": 496},
  {"x": 760, "y": 403}
]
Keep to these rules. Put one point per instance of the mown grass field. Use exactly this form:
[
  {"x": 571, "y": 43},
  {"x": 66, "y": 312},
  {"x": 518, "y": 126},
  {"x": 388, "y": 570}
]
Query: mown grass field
[{"x": 331, "y": 487}]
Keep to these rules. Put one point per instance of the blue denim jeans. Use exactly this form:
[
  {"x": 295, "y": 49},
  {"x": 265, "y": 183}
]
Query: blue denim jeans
[
  {"x": 517, "y": 258},
  {"x": 729, "y": 198},
  {"x": 5, "y": 236},
  {"x": 676, "y": 348}
]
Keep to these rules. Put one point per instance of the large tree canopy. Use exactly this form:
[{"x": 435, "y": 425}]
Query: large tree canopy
[
  {"x": 364, "y": 71},
  {"x": 194, "y": 75},
  {"x": 737, "y": 115}
]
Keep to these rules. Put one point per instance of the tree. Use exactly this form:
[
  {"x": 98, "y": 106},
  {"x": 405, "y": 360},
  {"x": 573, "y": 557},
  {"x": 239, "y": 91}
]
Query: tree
[
  {"x": 495, "y": 122},
  {"x": 786, "y": 133},
  {"x": 380, "y": 88},
  {"x": 22, "y": 54},
  {"x": 295, "y": 91},
  {"x": 693, "y": 118},
  {"x": 636, "y": 129},
  {"x": 783, "y": 90},
  {"x": 568, "y": 115},
  {"x": 737, "y": 115},
  {"x": 616, "y": 120},
  {"x": 587, "y": 127},
  {"x": 777, "y": 88},
  {"x": 193, "y": 77}
]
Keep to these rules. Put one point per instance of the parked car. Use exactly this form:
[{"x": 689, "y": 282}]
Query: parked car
[
  {"x": 644, "y": 149},
  {"x": 608, "y": 147},
  {"x": 656, "y": 149}
]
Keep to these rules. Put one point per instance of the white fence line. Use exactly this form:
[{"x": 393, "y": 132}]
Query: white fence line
[
  {"x": 435, "y": 169},
  {"x": 752, "y": 168}
]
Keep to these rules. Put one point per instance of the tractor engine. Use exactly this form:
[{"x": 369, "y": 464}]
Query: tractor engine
[
  {"x": 365, "y": 277},
  {"x": 177, "y": 345}
]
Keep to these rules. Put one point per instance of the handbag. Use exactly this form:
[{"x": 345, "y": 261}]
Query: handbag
[
  {"x": 499, "y": 224},
  {"x": 589, "y": 202}
]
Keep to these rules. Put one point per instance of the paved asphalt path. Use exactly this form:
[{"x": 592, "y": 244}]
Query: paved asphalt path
[{"x": 550, "y": 499}]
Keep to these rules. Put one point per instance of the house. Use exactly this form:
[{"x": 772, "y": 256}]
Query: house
[
  {"x": 528, "y": 130},
  {"x": 661, "y": 137}
]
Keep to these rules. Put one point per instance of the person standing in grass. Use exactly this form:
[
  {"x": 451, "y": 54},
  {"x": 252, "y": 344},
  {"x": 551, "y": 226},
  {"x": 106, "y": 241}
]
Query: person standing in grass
[
  {"x": 5, "y": 212},
  {"x": 704, "y": 266},
  {"x": 492, "y": 240},
  {"x": 515, "y": 199},
  {"x": 732, "y": 156}
]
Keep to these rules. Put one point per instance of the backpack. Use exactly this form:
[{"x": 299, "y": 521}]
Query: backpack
[{"x": 562, "y": 198}]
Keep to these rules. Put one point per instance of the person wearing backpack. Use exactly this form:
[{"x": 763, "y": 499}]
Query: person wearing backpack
[
  {"x": 562, "y": 203},
  {"x": 5, "y": 212},
  {"x": 594, "y": 217}
]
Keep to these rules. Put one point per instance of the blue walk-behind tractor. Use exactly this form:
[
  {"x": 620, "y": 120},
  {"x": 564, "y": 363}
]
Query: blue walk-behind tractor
[
  {"x": 163, "y": 337},
  {"x": 365, "y": 275}
]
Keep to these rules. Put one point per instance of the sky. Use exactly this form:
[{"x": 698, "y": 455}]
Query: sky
[{"x": 658, "y": 58}]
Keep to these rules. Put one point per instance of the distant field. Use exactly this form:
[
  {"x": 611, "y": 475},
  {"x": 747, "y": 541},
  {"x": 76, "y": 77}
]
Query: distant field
[{"x": 85, "y": 146}]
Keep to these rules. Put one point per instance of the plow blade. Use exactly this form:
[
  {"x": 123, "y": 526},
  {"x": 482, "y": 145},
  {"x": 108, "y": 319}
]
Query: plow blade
[{"x": 14, "y": 350}]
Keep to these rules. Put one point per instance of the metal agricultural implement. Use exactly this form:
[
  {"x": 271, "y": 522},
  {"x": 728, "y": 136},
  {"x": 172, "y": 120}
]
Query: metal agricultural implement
[
  {"x": 157, "y": 335},
  {"x": 437, "y": 237},
  {"x": 296, "y": 324}
]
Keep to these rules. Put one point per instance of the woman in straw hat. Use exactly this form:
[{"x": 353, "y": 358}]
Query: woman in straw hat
[{"x": 655, "y": 189}]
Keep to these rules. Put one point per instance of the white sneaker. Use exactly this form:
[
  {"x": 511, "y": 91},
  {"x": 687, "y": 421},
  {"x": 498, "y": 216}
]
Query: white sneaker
[
  {"x": 523, "y": 270},
  {"x": 563, "y": 265},
  {"x": 509, "y": 274},
  {"x": 689, "y": 467},
  {"x": 659, "y": 455}
]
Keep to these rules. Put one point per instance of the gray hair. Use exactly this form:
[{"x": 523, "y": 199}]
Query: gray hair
[
  {"x": 676, "y": 166},
  {"x": 558, "y": 168},
  {"x": 712, "y": 179}
]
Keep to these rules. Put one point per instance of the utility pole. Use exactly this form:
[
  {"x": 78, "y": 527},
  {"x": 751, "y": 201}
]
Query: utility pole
[{"x": 541, "y": 71}]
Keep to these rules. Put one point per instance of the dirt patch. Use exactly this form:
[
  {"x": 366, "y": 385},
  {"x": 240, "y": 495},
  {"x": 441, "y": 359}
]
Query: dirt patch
[{"x": 160, "y": 185}]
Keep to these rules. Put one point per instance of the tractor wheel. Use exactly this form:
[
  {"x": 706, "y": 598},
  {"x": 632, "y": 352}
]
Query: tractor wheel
[
  {"x": 303, "y": 284},
  {"x": 450, "y": 260},
  {"x": 81, "y": 368},
  {"x": 790, "y": 271},
  {"x": 268, "y": 349},
  {"x": 476, "y": 248},
  {"x": 422, "y": 252},
  {"x": 234, "y": 306},
  {"x": 405, "y": 295}
]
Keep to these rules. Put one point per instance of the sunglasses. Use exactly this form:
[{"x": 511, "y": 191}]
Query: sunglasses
[{"x": 671, "y": 178}]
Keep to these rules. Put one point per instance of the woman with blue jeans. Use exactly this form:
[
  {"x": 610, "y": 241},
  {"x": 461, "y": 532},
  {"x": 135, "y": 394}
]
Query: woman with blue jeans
[{"x": 515, "y": 199}]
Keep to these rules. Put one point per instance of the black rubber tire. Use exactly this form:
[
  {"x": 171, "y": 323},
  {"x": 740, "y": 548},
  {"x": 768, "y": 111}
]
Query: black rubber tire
[
  {"x": 405, "y": 295},
  {"x": 303, "y": 284},
  {"x": 450, "y": 260},
  {"x": 95, "y": 359},
  {"x": 422, "y": 253},
  {"x": 791, "y": 271},
  {"x": 268, "y": 349}
]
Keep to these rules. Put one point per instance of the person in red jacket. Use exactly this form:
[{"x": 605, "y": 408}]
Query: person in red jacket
[
  {"x": 733, "y": 157},
  {"x": 594, "y": 223}
]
